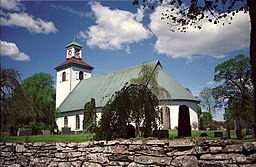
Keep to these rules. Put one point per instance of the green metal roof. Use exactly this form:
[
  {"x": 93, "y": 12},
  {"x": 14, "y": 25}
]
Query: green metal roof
[
  {"x": 103, "y": 86},
  {"x": 75, "y": 44}
]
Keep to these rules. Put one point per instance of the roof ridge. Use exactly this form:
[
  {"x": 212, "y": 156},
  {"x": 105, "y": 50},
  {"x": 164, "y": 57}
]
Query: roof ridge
[{"x": 157, "y": 62}]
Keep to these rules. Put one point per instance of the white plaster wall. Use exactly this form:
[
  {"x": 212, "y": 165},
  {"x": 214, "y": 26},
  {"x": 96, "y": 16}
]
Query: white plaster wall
[
  {"x": 62, "y": 88},
  {"x": 60, "y": 122},
  {"x": 75, "y": 75},
  {"x": 174, "y": 115},
  {"x": 71, "y": 122},
  {"x": 72, "y": 79}
]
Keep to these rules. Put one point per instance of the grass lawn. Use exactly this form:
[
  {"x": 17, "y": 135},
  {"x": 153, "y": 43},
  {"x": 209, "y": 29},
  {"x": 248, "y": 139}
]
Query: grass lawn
[
  {"x": 174, "y": 134},
  {"x": 89, "y": 136},
  {"x": 48, "y": 138}
]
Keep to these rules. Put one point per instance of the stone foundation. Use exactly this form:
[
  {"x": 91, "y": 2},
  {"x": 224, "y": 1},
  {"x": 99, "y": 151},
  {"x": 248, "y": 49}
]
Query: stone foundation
[{"x": 131, "y": 153}]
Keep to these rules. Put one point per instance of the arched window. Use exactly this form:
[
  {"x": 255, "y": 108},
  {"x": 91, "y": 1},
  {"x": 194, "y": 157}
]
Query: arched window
[
  {"x": 63, "y": 76},
  {"x": 77, "y": 121},
  {"x": 81, "y": 75},
  {"x": 65, "y": 121}
]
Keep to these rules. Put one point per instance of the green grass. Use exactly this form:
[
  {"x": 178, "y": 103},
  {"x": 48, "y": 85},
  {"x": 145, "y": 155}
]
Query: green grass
[
  {"x": 195, "y": 134},
  {"x": 89, "y": 136},
  {"x": 48, "y": 138}
]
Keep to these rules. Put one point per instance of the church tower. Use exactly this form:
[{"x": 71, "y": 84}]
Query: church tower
[{"x": 71, "y": 72}]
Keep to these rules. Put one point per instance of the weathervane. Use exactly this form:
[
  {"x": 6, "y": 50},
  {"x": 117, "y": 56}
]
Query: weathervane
[{"x": 74, "y": 38}]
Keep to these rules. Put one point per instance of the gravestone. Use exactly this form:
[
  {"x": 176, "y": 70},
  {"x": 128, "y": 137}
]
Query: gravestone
[
  {"x": 65, "y": 130},
  {"x": 45, "y": 132},
  {"x": 24, "y": 132},
  {"x": 161, "y": 134},
  {"x": 130, "y": 131},
  {"x": 184, "y": 127},
  {"x": 218, "y": 134},
  {"x": 166, "y": 117},
  {"x": 204, "y": 135}
]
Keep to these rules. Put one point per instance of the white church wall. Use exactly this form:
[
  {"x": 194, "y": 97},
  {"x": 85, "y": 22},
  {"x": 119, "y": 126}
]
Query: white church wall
[
  {"x": 71, "y": 122},
  {"x": 60, "y": 122},
  {"x": 174, "y": 116},
  {"x": 62, "y": 88},
  {"x": 72, "y": 79},
  {"x": 76, "y": 70},
  {"x": 172, "y": 105},
  {"x": 174, "y": 111}
]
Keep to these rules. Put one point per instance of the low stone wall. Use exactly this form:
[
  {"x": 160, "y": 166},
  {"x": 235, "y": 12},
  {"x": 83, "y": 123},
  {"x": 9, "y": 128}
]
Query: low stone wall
[{"x": 131, "y": 153}]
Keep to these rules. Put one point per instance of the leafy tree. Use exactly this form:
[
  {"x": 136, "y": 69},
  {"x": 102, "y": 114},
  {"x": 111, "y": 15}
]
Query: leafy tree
[
  {"x": 200, "y": 117},
  {"x": 40, "y": 92},
  {"x": 13, "y": 101},
  {"x": 234, "y": 76},
  {"x": 207, "y": 100},
  {"x": 148, "y": 76},
  {"x": 89, "y": 115},
  {"x": 192, "y": 12},
  {"x": 207, "y": 119},
  {"x": 123, "y": 108},
  {"x": 233, "y": 111}
]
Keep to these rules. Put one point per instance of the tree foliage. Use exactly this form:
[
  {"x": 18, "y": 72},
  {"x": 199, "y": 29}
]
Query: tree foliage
[
  {"x": 148, "y": 76},
  {"x": 13, "y": 101},
  {"x": 132, "y": 103},
  {"x": 185, "y": 13},
  {"x": 234, "y": 108},
  {"x": 234, "y": 78},
  {"x": 235, "y": 88},
  {"x": 207, "y": 119},
  {"x": 89, "y": 115},
  {"x": 40, "y": 92},
  {"x": 207, "y": 100}
]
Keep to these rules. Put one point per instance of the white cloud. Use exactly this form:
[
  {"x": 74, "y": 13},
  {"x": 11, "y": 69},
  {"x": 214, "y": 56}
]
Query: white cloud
[
  {"x": 11, "y": 50},
  {"x": 72, "y": 11},
  {"x": 29, "y": 22},
  {"x": 14, "y": 5},
  {"x": 115, "y": 29},
  {"x": 212, "y": 40},
  {"x": 140, "y": 14},
  {"x": 210, "y": 83},
  {"x": 13, "y": 15}
]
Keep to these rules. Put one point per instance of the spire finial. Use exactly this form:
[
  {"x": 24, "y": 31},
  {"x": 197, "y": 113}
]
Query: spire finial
[{"x": 74, "y": 38}]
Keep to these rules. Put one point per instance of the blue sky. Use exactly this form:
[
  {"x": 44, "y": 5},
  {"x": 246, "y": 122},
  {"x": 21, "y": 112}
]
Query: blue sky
[{"x": 115, "y": 35}]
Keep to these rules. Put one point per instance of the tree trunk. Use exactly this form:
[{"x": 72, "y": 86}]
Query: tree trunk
[
  {"x": 238, "y": 129},
  {"x": 228, "y": 131},
  {"x": 252, "y": 13}
]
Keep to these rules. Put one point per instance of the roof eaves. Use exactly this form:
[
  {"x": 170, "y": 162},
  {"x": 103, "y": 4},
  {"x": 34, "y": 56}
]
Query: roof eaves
[
  {"x": 69, "y": 64},
  {"x": 75, "y": 44}
]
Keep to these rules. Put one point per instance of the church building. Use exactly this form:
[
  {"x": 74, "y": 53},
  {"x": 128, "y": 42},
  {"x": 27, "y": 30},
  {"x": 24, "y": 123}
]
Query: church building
[{"x": 75, "y": 86}]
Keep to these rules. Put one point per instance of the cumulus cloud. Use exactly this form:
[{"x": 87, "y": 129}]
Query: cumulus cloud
[
  {"x": 10, "y": 49},
  {"x": 22, "y": 19},
  {"x": 212, "y": 40},
  {"x": 14, "y": 5},
  {"x": 115, "y": 29},
  {"x": 29, "y": 22}
]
